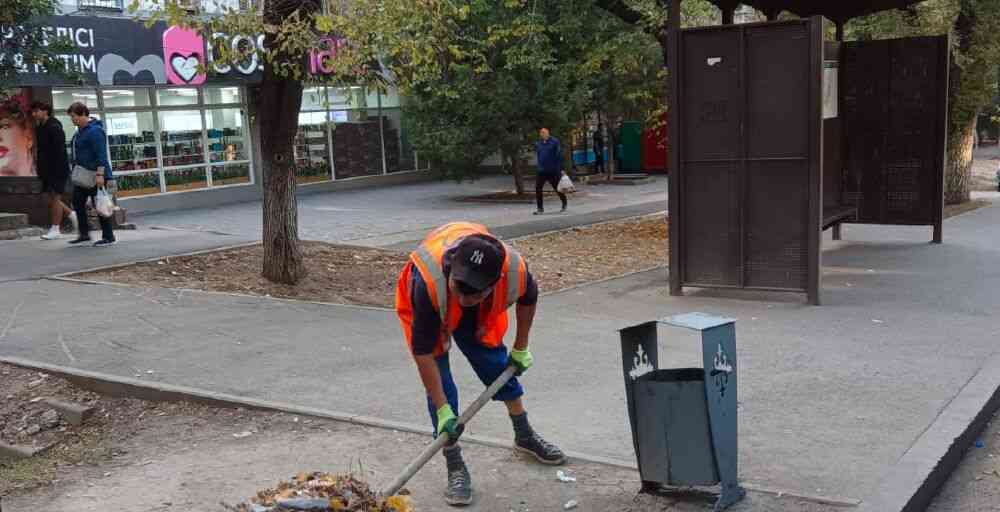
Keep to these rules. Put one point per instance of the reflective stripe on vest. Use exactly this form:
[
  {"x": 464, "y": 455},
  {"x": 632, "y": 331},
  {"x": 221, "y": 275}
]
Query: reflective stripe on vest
[
  {"x": 513, "y": 275},
  {"x": 438, "y": 285}
]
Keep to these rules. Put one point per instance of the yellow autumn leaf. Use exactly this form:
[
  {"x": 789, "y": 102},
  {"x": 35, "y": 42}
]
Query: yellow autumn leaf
[{"x": 399, "y": 503}]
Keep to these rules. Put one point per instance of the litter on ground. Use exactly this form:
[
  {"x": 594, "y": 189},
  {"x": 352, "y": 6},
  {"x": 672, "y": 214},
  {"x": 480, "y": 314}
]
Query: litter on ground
[{"x": 323, "y": 492}]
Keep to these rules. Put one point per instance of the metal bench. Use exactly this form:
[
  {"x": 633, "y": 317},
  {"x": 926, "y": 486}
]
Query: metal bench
[{"x": 834, "y": 215}]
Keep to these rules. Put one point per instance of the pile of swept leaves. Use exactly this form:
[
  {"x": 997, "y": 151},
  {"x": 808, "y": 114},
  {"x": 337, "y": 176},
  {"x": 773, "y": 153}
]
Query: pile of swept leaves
[{"x": 323, "y": 492}]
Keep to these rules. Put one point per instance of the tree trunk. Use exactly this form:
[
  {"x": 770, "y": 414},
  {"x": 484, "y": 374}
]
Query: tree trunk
[
  {"x": 568, "y": 153},
  {"x": 278, "y": 108},
  {"x": 961, "y": 118},
  {"x": 517, "y": 170},
  {"x": 612, "y": 162},
  {"x": 958, "y": 173}
]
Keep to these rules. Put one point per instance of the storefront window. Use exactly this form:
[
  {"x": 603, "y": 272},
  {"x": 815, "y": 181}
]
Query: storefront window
[
  {"x": 175, "y": 97},
  {"x": 357, "y": 145},
  {"x": 138, "y": 184},
  {"x": 398, "y": 152},
  {"x": 186, "y": 179},
  {"x": 226, "y": 136},
  {"x": 360, "y": 131},
  {"x": 181, "y": 138},
  {"x": 131, "y": 141},
  {"x": 125, "y": 98},
  {"x": 234, "y": 174},
  {"x": 62, "y": 99},
  {"x": 314, "y": 98},
  {"x": 390, "y": 99},
  {"x": 189, "y": 142},
  {"x": 312, "y": 151},
  {"x": 222, "y": 95}
]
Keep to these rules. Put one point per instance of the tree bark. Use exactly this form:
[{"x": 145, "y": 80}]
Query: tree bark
[
  {"x": 278, "y": 107},
  {"x": 961, "y": 119},
  {"x": 517, "y": 170},
  {"x": 958, "y": 173}
]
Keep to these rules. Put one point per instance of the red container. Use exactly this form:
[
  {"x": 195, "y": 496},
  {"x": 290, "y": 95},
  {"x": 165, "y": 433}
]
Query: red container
[{"x": 654, "y": 147}]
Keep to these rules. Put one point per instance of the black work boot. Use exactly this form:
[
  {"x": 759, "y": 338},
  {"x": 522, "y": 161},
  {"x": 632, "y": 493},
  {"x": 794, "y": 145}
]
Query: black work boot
[
  {"x": 526, "y": 440},
  {"x": 459, "y": 490}
]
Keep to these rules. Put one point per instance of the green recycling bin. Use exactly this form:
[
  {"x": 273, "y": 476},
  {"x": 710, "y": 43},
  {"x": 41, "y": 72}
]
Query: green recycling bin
[{"x": 631, "y": 147}]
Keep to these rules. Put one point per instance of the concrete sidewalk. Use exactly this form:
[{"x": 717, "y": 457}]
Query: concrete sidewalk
[
  {"x": 830, "y": 396},
  {"x": 29, "y": 259},
  {"x": 392, "y": 215}
]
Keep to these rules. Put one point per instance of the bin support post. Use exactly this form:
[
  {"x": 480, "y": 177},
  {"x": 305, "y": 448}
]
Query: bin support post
[
  {"x": 639, "y": 357},
  {"x": 719, "y": 352}
]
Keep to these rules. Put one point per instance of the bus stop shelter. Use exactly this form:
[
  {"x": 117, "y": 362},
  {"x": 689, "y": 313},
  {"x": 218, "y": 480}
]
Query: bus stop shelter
[{"x": 779, "y": 133}]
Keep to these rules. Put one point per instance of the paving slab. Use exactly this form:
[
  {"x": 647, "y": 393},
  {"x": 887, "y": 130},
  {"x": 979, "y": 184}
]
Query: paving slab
[
  {"x": 831, "y": 397},
  {"x": 391, "y": 215},
  {"x": 35, "y": 258}
]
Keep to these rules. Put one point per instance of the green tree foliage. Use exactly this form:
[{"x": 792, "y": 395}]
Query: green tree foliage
[
  {"x": 482, "y": 76},
  {"x": 24, "y": 42}
]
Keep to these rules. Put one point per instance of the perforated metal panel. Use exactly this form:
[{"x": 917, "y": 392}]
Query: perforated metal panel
[
  {"x": 711, "y": 83},
  {"x": 894, "y": 94},
  {"x": 712, "y": 250},
  {"x": 749, "y": 150}
]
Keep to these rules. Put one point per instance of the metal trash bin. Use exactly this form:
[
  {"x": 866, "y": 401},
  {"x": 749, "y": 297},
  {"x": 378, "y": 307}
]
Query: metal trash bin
[{"x": 684, "y": 425}]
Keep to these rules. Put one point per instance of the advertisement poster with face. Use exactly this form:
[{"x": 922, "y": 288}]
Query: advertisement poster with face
[{"x": 17, "y": 138}]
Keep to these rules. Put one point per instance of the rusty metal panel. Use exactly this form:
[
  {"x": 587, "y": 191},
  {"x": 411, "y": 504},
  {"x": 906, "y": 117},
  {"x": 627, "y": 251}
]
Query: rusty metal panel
[
  {"x": 864, "y": 113},
  {"x": 910, "y": 153},
  {"x": 777, "y": 234},
  {"x": 712, "y": 223},
  {"x": 711, "y": 85},
  {"x": 743, "y": 184},
  {"x": 778, "y": 151},
  {"x": 892, "y": 93},
  {"x": 743, "y": 181},
  {"x": 777, "y": 70}
]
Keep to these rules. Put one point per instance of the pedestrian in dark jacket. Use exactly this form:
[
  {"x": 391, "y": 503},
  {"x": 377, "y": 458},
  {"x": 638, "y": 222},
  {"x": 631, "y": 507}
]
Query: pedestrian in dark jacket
[
  {"x": 90, "y": 150},
  {"x": 548, "y": 151},
  {"x": 52, "y": 165}
]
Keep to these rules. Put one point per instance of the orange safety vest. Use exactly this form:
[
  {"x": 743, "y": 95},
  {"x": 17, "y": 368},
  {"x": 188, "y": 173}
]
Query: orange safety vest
[{"x": 428, "y": 259}]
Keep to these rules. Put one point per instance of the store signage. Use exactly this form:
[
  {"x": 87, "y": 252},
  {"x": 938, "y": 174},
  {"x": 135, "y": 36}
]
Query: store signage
[
  {"x": 321, "y": 61},
  {"x": 122, "y": 51}
]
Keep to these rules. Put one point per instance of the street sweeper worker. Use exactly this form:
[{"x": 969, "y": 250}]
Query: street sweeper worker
[{"x": 458, "y": 285}]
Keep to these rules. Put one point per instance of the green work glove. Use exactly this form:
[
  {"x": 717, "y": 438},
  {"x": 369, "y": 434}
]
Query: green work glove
[
  {"x": 447, "y": 422},
  {"x": 521, "y": 359}
]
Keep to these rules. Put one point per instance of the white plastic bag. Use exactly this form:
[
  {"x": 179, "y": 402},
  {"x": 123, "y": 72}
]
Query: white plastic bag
[
  {"x": 565, "y": 184},
  {"x": 105, "y": 208}
]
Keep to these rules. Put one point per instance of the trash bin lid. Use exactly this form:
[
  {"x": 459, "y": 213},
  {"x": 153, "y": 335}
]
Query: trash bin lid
[{"x": 697, "y": 321}]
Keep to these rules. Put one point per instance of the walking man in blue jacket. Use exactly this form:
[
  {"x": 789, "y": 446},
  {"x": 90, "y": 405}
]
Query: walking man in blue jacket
[
  {"x": 90, "y": 150},
  {"x": 548, "y": 150}
]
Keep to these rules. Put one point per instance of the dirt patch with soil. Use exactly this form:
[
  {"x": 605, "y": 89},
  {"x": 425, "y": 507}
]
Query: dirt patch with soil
[
  {"x": 25, "y": 421},
  {"x": 590, "y": 253},
  {"x": 366, "y": 276},
  {"x": 192, "y": 458},
  {"x": 337, "y": 274}
]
